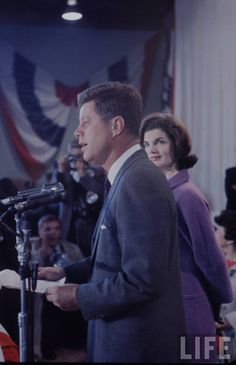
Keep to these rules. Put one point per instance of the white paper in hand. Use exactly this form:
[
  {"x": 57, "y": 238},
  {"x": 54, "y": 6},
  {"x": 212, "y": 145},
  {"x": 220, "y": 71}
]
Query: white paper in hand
[{"x": 11, "y": 279}]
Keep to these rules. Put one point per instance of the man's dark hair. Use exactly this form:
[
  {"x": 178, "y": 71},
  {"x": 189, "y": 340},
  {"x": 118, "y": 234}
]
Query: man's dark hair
[
  {"x": 116, "y": 99},
  {"x": 48, "y": 218}
]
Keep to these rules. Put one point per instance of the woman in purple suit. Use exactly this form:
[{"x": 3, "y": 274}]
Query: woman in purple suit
[{"x": 205, "y": 282}]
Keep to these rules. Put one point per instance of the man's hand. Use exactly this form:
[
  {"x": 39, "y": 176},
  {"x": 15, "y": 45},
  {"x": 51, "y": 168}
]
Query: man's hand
[
  {"x": 64, "y": 296},
  {"x": 51, "y": 273},
  {"x": 223, "y": 325}
]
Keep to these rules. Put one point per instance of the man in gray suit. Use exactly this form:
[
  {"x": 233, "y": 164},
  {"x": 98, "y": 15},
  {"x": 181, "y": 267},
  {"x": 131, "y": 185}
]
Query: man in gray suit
[{"x": 129, "y": 288}]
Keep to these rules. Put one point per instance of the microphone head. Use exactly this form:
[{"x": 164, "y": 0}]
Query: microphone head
[
  {"x": 52, "y": 191},
  {"x": 53, "y": 188}
]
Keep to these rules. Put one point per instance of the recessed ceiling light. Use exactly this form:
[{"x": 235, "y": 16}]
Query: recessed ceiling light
[{"x": 71, "y": 12}]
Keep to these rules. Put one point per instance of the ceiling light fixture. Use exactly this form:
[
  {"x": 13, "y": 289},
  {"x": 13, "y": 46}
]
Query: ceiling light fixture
[{"x": 71, "y": 12}]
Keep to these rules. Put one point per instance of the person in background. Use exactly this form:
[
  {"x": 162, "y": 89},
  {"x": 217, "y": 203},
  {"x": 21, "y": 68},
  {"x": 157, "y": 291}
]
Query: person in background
[
  {"x": 84, "y": 186},
  {"x": 57, "y": 327},
  {"x": 226, "y": 238},
  {"x": 9, "y": 298},
  {"x": 205, "y": 282},
  {"x": 51, "y": 249},
  {"x": 230, "y": 188},
  {"x": 129, "y": 288}
]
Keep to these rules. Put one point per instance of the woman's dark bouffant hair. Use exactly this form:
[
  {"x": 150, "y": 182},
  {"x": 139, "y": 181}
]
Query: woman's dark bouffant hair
[{"x": 176, "y": 132}]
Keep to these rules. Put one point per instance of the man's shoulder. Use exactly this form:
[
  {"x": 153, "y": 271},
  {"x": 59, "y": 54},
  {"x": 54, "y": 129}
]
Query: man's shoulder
[
  {"x": 141, "y": 165},
  {"x": 68, "y": 243},
  {"x": 72, "y": 247}
]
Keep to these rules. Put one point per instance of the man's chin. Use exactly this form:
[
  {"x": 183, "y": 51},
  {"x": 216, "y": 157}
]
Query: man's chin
[{"x": 88, "y": 158}]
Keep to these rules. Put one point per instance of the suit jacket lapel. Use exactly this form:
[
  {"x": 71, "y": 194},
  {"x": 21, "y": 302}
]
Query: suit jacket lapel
[{"x": 137, "y": 155}]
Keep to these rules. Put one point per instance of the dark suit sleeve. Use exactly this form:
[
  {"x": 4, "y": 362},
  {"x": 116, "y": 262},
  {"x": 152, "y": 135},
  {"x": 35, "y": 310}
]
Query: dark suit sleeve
[{"x": 78, "y": 272}]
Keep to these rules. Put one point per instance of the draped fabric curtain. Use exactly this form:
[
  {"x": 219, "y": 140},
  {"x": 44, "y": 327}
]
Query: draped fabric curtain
[
  {"x": 205, "y": 89},
  {"x": 37, "y": 110}
]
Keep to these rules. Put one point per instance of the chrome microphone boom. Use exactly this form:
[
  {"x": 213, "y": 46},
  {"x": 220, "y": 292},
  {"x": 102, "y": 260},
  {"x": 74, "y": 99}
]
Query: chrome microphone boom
[{"x": 46, "y": 192}]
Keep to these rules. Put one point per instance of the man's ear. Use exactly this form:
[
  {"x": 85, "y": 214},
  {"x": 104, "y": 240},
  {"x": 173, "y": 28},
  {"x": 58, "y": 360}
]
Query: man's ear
[{"x": 118, "y": 125}]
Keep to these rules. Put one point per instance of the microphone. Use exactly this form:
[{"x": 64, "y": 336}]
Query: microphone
[
  {"x": 33, "y": 198},
  {"x": 35, "y": 266}
]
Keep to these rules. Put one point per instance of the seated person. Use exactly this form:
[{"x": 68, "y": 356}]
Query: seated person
[
  {"x": 58, "y": 328},
  {"x": 84, "y": 187},
  {"x": 51, "y": 249},
  {"x": 226, "y": 238}
]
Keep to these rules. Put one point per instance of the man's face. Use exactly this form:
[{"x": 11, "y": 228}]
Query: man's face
[
  {"x": 95, "y": 135},
  {"x": 50, "y": 233}
]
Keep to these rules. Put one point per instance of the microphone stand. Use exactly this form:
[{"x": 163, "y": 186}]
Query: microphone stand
[
  {"x": 25, "y": 200},
  {"x": 23, "y": 248}
]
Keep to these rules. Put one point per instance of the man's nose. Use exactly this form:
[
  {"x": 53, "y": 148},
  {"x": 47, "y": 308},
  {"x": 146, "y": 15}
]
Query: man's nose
[{"x": 77, "y": 132}]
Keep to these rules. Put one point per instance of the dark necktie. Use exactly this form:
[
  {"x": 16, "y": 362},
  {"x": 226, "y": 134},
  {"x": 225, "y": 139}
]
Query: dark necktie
[{"x": 107, "y": 186}]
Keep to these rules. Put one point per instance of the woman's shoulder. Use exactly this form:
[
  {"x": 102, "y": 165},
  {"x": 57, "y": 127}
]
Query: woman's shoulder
[
  {"x": 189, "y": 198},
  {"x": 189, "y": 190}
]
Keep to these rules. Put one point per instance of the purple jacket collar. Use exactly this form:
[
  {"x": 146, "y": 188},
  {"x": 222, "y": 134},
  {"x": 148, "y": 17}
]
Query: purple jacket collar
[{"x": 181, "y": 177}]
